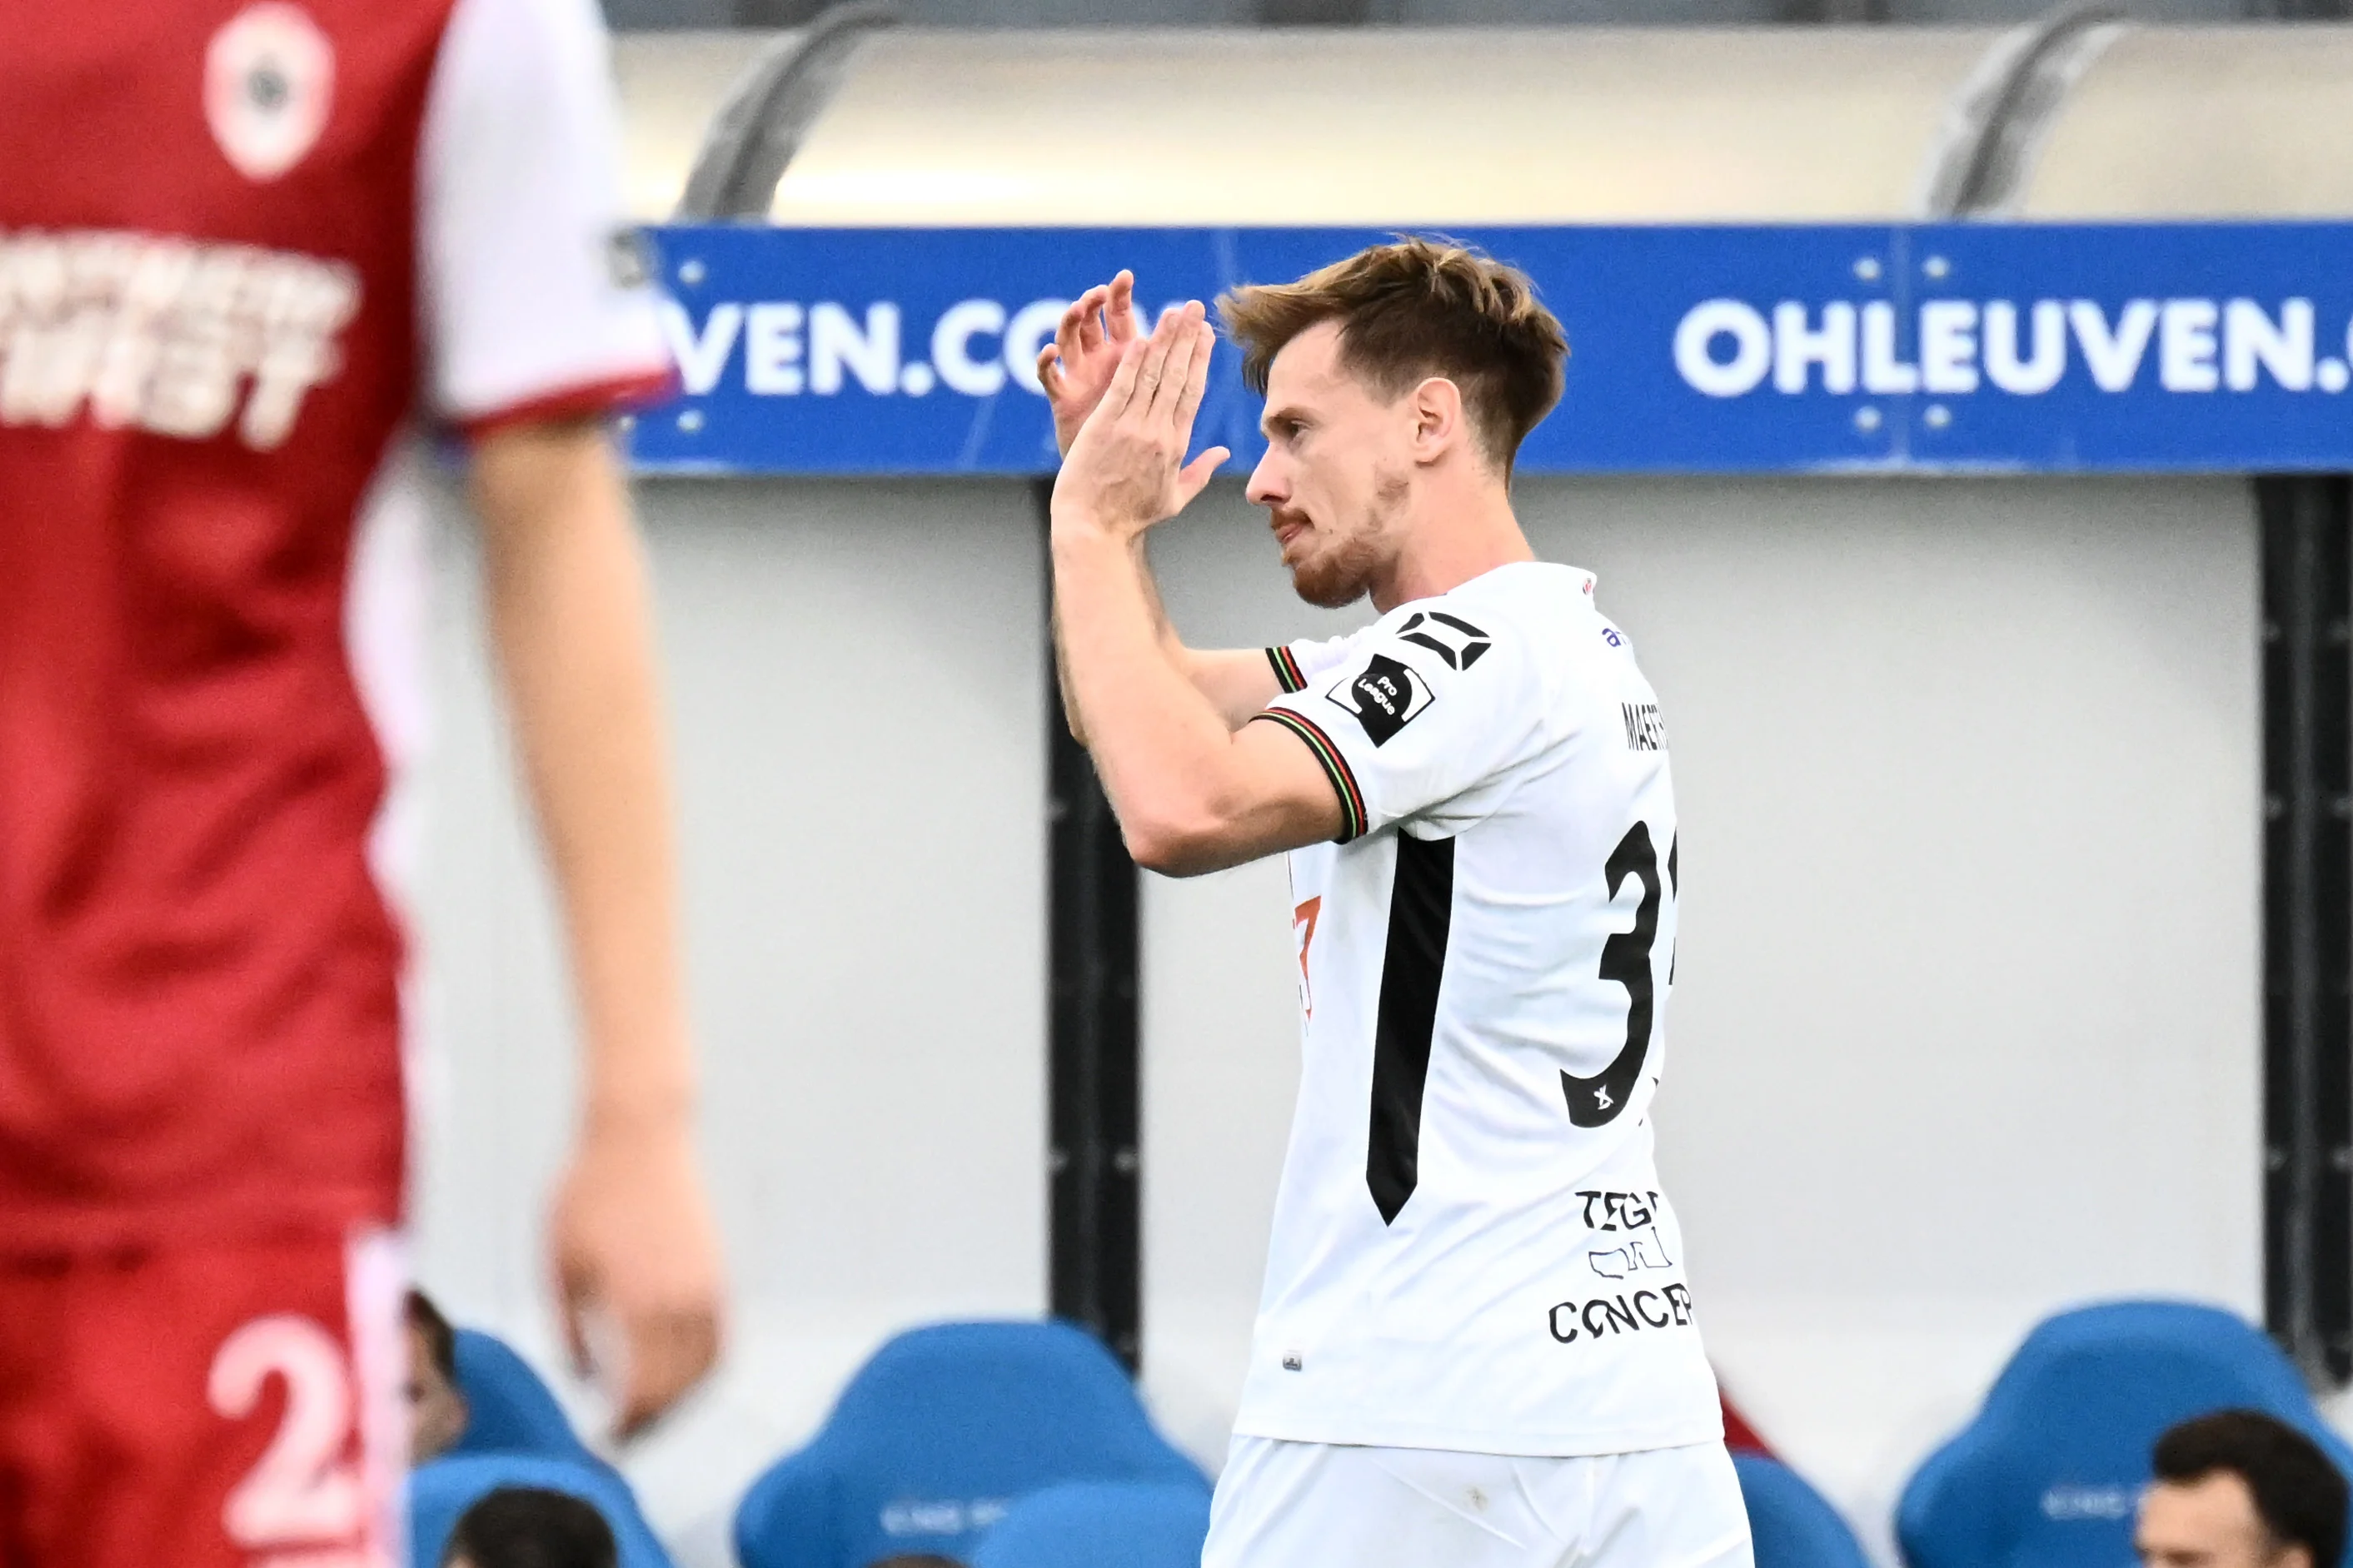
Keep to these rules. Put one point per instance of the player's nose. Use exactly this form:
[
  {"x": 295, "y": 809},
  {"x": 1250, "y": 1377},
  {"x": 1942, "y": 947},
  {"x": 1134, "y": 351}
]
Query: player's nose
[{"x": 1268, "y": 485}]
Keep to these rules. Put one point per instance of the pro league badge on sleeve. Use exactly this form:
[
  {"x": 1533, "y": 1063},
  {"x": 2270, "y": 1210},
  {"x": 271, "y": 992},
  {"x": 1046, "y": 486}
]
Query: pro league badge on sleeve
[{"x": 1386, "y": 697}]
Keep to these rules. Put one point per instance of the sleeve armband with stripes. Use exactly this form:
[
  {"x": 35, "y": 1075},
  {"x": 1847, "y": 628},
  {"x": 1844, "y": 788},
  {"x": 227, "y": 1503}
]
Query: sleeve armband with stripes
[
  {"x": 1335, "y": 767},
  {"x": 1286, "y": 670}
]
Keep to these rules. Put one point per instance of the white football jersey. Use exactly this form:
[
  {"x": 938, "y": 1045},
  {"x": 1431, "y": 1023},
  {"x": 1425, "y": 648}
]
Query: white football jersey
[{"x": 1471, "y": 1250}]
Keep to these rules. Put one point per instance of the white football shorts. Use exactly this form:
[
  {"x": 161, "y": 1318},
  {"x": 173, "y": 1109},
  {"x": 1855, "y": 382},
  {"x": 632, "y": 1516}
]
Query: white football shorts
[{"x": 1315, "y": 1505}]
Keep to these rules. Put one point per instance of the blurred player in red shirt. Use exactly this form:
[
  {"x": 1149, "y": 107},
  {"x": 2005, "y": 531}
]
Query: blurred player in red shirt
[{"x": 246, "y": 247}]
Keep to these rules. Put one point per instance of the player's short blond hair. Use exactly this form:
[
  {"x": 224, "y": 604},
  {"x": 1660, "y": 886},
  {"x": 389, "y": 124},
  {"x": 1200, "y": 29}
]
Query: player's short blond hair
[{"x": 1414, "y": 309}]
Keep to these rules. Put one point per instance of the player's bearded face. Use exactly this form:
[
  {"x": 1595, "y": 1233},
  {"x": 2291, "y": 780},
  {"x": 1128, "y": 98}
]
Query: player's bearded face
[
  {"x": 1332, "y": 485},
  {"x": 1333, "y": 565}
]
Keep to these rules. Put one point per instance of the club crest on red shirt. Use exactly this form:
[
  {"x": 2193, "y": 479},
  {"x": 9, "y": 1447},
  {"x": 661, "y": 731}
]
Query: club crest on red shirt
[{"x": 270, "y": 77}]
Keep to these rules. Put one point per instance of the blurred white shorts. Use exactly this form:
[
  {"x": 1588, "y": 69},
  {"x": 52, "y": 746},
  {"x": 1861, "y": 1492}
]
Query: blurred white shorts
[{"x": 1314, "y": 1505}]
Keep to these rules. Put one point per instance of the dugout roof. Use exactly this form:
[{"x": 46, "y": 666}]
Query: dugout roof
[{"x": 1492, "y": 126}]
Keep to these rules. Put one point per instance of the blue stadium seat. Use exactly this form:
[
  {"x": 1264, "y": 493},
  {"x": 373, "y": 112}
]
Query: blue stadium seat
[
  {"x": 1101, "y": 1524},
  {"x": 939, "y": 1433},
  {"x": 510, "y": 1410},
  {"x": 1793, "y": 1525},
  {"x": 441, "y": 1490},
  {"x": 2050, "y": 1471}
]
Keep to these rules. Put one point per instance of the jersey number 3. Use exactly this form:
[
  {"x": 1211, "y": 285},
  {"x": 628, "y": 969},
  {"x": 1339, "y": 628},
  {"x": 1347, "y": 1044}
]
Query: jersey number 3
[{"x": 1626, "y": 959}]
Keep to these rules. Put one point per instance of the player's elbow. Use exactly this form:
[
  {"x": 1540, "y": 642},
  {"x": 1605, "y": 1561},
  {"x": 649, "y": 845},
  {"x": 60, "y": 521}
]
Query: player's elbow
[{"x": 1175, "y": 844}]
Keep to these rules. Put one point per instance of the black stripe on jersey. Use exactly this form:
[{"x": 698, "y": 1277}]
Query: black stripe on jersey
[
  {"x": 1421, "y": 911},
  {"x": 1674, "y": 889}
]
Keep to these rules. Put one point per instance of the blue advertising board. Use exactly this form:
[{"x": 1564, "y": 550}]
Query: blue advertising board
[{"x": 1933, "y": 347}]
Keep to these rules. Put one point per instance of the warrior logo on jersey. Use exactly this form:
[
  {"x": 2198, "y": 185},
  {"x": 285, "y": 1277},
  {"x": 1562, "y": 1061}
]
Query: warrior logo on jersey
[
  {"x": 1384, "y": 697},
  {"x": 1458, "y": 642},
  {"x": 270, "y": 77}
]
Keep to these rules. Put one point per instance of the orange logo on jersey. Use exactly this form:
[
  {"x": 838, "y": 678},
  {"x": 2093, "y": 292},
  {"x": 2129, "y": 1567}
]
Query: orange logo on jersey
[
  {"x": 1302, "y": 926},
  {"x": 270, "y": 78}
]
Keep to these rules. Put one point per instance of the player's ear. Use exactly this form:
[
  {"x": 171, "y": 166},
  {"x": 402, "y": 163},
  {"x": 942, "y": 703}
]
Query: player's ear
[{"x": 1437, "y": 408}]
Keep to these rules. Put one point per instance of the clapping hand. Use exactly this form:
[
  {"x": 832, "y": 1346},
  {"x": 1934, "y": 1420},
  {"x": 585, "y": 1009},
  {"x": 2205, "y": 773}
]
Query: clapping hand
[
  {"x": 1125, "y": 469},
  {"x": 1076, "y": 368}
]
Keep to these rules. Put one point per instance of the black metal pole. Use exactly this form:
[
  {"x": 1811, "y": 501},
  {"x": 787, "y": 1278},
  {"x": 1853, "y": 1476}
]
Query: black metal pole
[
  {"x": 2307, "y": 923},
  {"x": 1096, "y": 1215}
]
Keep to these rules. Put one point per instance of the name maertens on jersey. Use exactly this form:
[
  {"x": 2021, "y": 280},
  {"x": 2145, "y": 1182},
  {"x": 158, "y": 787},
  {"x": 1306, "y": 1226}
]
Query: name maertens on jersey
[
  {"x": 174, "y": 337},
  {"x": 1645, "y": 730}
]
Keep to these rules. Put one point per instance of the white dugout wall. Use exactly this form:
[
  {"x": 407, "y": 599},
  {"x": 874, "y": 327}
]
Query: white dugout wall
[{"x": 1967, "y": 1026}]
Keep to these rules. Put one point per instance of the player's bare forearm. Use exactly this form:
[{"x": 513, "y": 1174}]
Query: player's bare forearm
[
  {"x": 1161, "y": 630},
  {"x": 1192, "y": 794},
  {"x": 1062, "y": 683},
  {"x": 1239, "y": 682},
  {"x": 631, "y": 1237},
  {"x": 573, "y": 630}
]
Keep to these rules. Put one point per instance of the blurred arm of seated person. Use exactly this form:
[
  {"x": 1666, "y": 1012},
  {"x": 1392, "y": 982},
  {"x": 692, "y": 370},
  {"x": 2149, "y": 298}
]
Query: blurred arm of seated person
[
  {"x": 436, "y": 1406},
  {"x": 1076, "y": 369},
  {"x": 2240, "y": 1490},
  {"x": 528, "y": 1526}
]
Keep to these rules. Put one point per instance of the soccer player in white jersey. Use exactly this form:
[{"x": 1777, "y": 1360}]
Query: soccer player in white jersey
[{"x": 1476, "y": 1346}]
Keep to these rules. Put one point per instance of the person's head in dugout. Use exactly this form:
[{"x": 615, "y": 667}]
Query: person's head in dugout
[
  {"x": 527, "y": 1527},
  {"x": 1398, "y": 384},
  {"x": 2240, "y": 1490},
  {"x": 437, "y": 1408}
]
